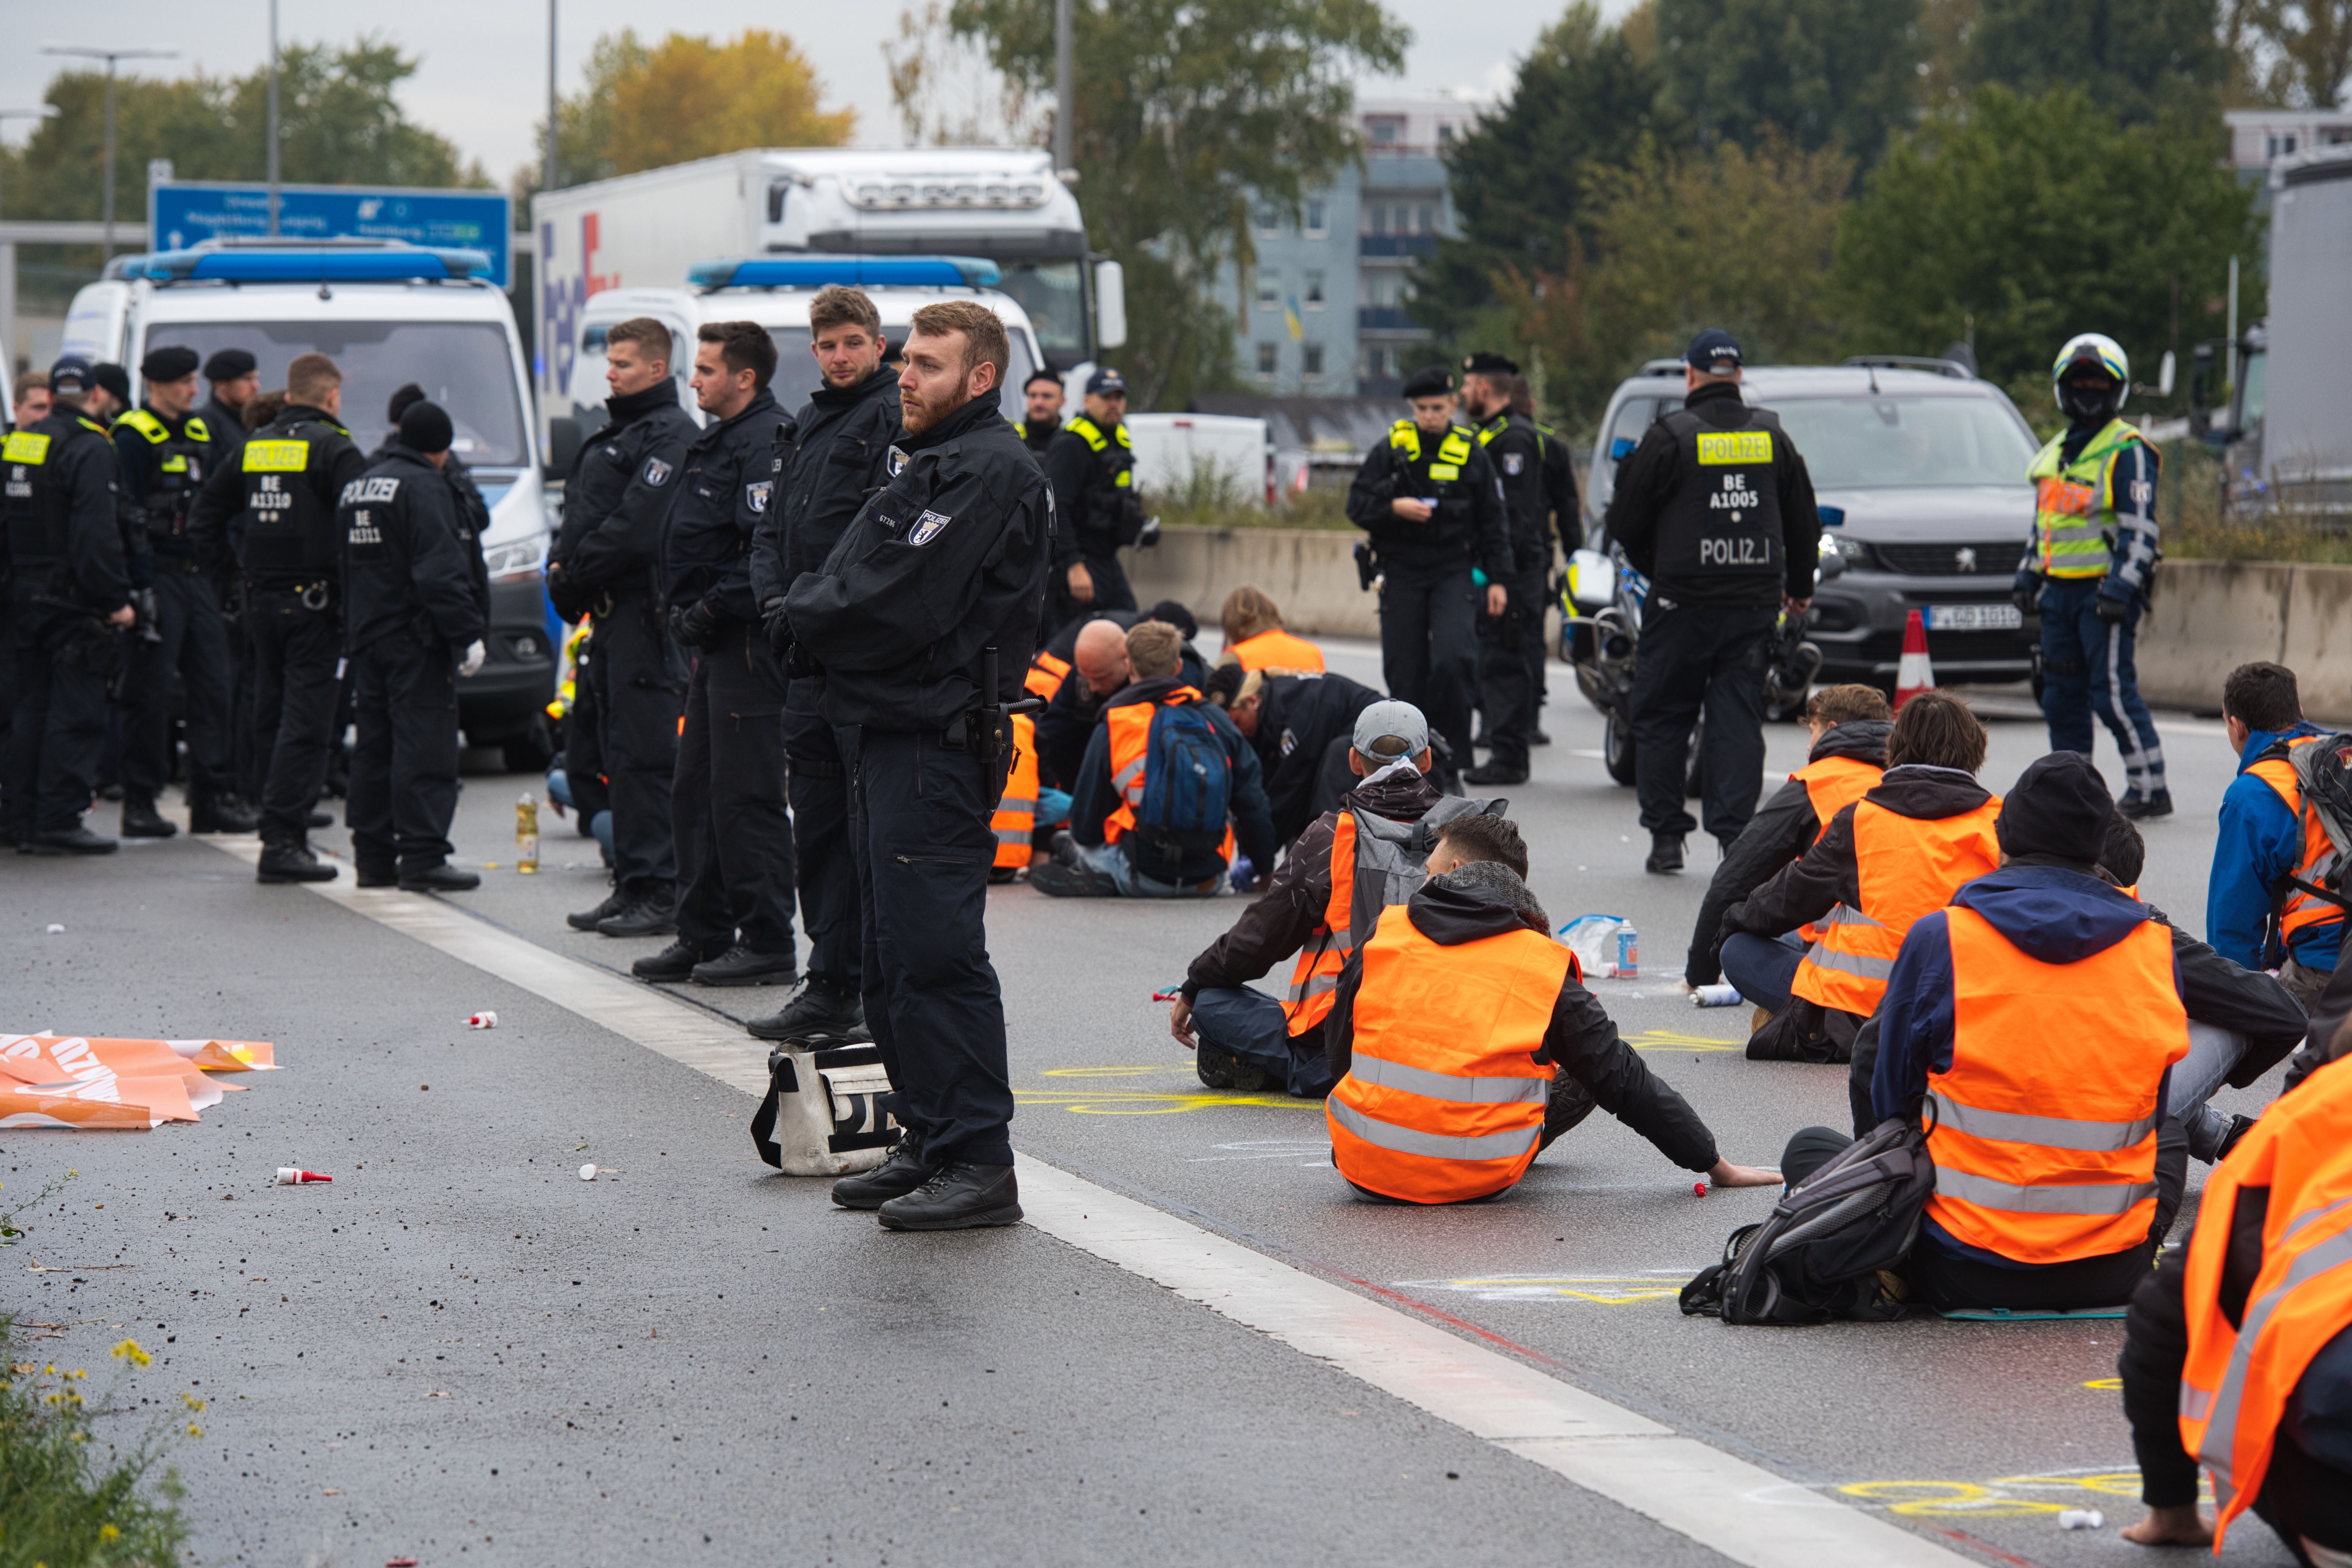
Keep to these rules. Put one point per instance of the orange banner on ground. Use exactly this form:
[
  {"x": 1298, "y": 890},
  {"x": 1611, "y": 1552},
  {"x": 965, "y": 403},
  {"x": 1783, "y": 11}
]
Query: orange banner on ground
[{"x": 87, "y": 1083}]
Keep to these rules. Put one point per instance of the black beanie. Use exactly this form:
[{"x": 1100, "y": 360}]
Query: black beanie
[
  {"x": 115, "y": 379},
  {"x": 229, "y": 365},
  {"x": 2059, "y": 806},
  {"x": 1177, "y": 615},
  {"x": 170, "y": 362},
  {"x": 409, "y": 393},
  {"x": 423, "y": 427},
  {"x": 1431, "y": 382}
]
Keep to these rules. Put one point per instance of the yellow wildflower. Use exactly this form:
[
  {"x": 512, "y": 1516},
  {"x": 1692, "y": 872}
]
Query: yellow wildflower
[
  {"x": 195, "y": 1430},
  {"x": 129, "y": 1350},
  {"x": 107, "y": 1533}
]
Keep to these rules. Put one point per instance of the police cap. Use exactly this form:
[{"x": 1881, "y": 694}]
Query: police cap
[
  {"x": 1484, "y": 363},
  {"x": 1713, "y": 352},
  {"x": 1106, "y": 383},
  {"x": 173, "y": 362},
  {"x": 70, "y": 375},
  {"x": 1428, "y": 382},
  {"x": 424, "y": 428},
  {"x": 229, "y": 365},
  {"x": 115, "y": 379}
]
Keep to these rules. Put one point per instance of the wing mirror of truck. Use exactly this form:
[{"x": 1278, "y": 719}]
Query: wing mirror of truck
[
  {"x": 563, "y": 442},
  {"x": 1111, "y": 305}
]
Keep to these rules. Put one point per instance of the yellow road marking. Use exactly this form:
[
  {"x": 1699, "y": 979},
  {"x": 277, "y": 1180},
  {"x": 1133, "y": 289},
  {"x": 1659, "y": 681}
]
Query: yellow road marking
[
  {"x": 2002, "y": 1497},
  {"x": 2105, "y": 1385},
  {"x": 1602, "y": 1289},
  {"x": 1675, "y": 1040}
]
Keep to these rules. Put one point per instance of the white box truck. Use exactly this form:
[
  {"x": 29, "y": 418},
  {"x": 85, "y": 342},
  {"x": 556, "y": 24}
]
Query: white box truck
[
  {"x": 1214, "y": 458},
  {"x": 649, "y": 230}
]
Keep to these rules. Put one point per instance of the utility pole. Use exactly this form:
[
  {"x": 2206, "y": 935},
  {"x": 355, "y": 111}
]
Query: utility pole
[
  {"x": 1063, "y": 75},
  {"x": 273, "y": 118},
  {"x": 547, "y": 160},
  {"x": 110, "y": 57},
  {"x": 8, "y": 257}
]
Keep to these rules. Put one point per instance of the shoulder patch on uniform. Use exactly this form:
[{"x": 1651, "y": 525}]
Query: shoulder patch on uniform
[
  {"x": 1515, "y": 463},
  {"x": 898, "y": 461},
  {"x": 927, "y": 527},
  {"x": 657, "y": 472},
  {"x": 756, "y": 494}
]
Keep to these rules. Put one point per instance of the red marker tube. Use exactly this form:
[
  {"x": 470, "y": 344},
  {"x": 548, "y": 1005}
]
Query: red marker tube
[{"x": 295, "y": 1176}]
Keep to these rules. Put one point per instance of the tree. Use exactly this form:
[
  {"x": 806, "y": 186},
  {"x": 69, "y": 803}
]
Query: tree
[
  {"x": 2310, "y": 44},
  {"x": 1187, "y": 113},
  {"x": 1835, "y": 73},
  {"x": 2017, "y": 221},
  {"x": 2137, "y": 58},
  {"x": 947, "y": 93}
]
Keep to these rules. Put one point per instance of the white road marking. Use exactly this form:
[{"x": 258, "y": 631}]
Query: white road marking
[{"x": 1723, "y": 1503}]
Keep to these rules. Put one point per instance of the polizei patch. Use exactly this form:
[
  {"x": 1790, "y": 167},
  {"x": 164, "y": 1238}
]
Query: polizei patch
[
  {"x": 927, "y": 527},
  {"x": 756, "y": 495},
  {"x": 657, "y": 473}
]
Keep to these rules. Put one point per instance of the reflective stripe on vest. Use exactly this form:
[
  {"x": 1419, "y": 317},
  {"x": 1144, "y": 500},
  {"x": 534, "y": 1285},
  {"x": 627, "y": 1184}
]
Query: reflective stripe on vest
[
  {"x": 1316, "y": 973},
  {"x": 1904, "y": 868},
  {"x": 2235, "y": 1382},
  {"x": 2075, "y": 504},
  {"x": 1016, "y": 822},
  {"x": 1092, "y": 433},
  {"x": 1277, "y": 649},
  {"x": 2093, "y": 1037},
  {"x": 2301, "y": 910},
  {"x": 1443, "y": 1100},
  {"x": 1046, "y": 673}
]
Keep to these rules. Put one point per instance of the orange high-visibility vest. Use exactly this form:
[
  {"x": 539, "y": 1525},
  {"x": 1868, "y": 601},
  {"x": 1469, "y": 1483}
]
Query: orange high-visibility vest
[
  {"x": 1315, "y": 976},
  {"x": 1131, "y": 741},
  {"x": 2301, "y": 909},
  {"x": 2045, "y": 1136},
  {"x": 1443, "y": 1100},
  {"x": 1277, "y": 649},
  {"x": 1015, "y": 821},
  {"x": 1832, "y": 784},
  {"x": 1046, "y": 673},
  {"x": 2236, "y": 1382},
  {"x": 1905, "y": 866}
]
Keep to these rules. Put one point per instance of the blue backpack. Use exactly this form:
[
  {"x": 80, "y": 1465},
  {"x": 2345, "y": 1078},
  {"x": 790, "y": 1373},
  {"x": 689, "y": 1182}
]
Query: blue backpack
[{"x": 1188, "y": 791}]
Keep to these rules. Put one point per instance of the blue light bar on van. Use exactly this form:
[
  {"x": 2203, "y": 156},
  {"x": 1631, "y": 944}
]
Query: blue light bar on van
[
  {"x": 301, "y": 264},
  {"x": 817, "y": 270}
]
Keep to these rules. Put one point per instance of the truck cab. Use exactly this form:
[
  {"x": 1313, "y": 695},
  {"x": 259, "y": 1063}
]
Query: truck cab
[{"x": 387, "y": 313}]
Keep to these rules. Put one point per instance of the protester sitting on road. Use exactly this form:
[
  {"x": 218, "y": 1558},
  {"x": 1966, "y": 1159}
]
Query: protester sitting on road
[
  {"x": 2238, "y": 1349},
  {"x": 1464, "y": 1041},
  {"x": 2252, "y": 913},
  {"x": 1294, "y": 721},
  {"x": 1098, "y": 672},
  {"x": 1849, "y": 726},
  {"x": 1255, "y": 637},
  {"x": 1345, "y": 867},
  {"x": 1166, "y": 787},
  {"x": 1925, "y": 827}
]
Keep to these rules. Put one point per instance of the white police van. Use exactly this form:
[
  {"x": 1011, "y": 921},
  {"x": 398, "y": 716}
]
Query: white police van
[{"x": 387, "y": 313}]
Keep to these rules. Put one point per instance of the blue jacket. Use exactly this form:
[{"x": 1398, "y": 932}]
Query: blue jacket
[
  {"x": 1095, "y": 797},
  {"x": 2049, "y": 914},
  {"x": 2261, "y": 842}
]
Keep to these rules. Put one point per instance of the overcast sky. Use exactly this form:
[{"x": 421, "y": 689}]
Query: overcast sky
[{"x": 482, "y": 80}]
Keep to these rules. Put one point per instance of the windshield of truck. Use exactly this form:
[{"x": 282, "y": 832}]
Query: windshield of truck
[
  {"x": 1886, "y": 443},
  {"x": 464, "y": 366},
  {"x": 796, "y": 374},
  {"x": 1055, "y": 296}
]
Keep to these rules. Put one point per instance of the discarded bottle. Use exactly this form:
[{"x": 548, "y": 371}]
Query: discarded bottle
[
  {"x": 527, "y": 834},
  {"x": 1629, "y": 952},
  {"x": 1717, "y": 996}
]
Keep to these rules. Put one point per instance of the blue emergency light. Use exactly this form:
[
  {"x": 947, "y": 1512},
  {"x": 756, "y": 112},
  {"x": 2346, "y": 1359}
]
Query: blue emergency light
[
  {"x": 308, "y": 264},
  {"x": 817, "y": 270}
]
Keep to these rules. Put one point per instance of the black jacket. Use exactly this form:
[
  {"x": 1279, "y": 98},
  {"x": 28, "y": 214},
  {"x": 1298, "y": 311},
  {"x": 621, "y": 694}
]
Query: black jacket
[
  {"x": 409, "y": 556},
  {"x": 1649, "y": 477},
  {"x": 836, "y": 455},
  {"x": 945, "y": 560},
  {"x": 1095, "y": 797},
  {"x": 1095, "y": 514},
  {"x": 1512, "y": 447},
  {"x": 1776, "y": 836},
  {"x": 78, "y": 467},
  {"x": 161, "y": 465},
  {"x": 226, "y": 425},
  {"x": 1470, "y": 527},
  {"x": 1297, "y": 718},
  {"x": 726, "y": 490},
  {"x": 1560, "y": 487},
  {"x": 1064, "y": 728},
  {"x": 1038, "y": 437},
  {"x": 1582, "y": 1041},
  {"x": 334, "y": 460},
  {"x": 614, "y": 499}
]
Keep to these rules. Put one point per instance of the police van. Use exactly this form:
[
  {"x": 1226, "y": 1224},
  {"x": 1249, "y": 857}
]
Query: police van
[{"x": 387, "y": 313}]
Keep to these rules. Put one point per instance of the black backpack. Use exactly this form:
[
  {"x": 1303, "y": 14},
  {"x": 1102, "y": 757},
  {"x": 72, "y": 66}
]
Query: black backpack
[
  {"x": 1832, "y": 1242},
  {"x": 2323, "y": 775}
]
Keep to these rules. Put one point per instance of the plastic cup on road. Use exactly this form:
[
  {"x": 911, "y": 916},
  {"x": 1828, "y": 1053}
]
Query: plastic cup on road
[{"x": 587, "y": 1173}]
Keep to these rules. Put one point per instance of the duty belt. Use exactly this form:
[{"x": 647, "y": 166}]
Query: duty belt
[{"x": 314, "y": 596}]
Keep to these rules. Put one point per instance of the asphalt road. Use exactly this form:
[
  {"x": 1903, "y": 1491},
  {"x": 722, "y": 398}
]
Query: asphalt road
[{"x": 460, "y": 1350}]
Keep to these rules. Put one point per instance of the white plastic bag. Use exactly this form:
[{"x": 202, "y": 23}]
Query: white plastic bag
[{"x": 1593, "y": 939}]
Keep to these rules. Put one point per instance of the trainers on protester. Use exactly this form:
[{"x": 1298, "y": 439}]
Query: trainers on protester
[{"x": 1223, "y": 1069}]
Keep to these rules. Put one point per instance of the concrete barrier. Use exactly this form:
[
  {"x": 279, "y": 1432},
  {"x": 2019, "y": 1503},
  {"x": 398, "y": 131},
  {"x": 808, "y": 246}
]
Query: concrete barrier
[{"x": 1311, "y": 572}]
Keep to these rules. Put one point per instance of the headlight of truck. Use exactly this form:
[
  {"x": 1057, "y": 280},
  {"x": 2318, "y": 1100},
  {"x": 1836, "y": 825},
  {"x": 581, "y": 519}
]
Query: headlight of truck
[{"x": 522, "y": 559}]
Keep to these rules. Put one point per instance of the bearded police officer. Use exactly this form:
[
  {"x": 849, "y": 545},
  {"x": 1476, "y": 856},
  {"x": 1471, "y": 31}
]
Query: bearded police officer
[
  {"x": 633, "y": 683},
  {"x": 1507, "y": 677},
  {"x": 727, "y": 799},
  {"x": 282, "y": 493},
  {"x": 837, "y": 454},
  {"x": 1092, "y": 466},
  {"x": 936, "y": 587},
  {"x": 164, "y": 450},
  {"x": 1041, "y": 419},
  {"x": 1429, "y": 498},
  {"x": 68, "y": 606},
  {"x": 1716, "y": 509}
]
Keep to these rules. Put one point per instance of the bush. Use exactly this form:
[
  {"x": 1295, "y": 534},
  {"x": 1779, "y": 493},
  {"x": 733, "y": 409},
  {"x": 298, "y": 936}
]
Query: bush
[
  {"x": 2189, "y": 514},
  {"x": 1213, "y": 499}
]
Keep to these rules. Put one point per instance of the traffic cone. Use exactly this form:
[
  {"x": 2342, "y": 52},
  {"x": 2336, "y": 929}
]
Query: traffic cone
[{"x": 1915, "y": 674}]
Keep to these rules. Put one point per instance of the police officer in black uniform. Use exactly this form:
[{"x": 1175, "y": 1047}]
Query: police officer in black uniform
[
  {"x": 69, "y": 607},
  {"x": 727, "y": 802},
  {"x": 837, "y": 454},
  {"x": 1041, "y": 420},
  {"x": 634, "y": 681},
  {"x": 1429, "y": 498},
  {"x": 1559, "y": 495},
  {"x": 416, "y": 611},
  {"x": 1507, "y": 680},
  {"x": 282, "y": 494},
  {"x": 938, "y": 582},
  {"x": 234, "y": 376},
  {"x": 1716, "y": 509},
  {"x": 164, "y": 450},
  {"x": 1092, "y": 466}
]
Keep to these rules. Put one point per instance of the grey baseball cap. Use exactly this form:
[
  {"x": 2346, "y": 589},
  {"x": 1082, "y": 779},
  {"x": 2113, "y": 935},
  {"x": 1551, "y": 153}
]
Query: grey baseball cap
[{"x": 1390, "y": 729}]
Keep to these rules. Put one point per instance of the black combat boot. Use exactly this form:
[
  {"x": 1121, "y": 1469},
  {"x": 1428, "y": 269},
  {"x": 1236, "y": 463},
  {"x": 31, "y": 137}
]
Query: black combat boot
[
  {"x": 959, "y": 1196},
  {"x": 901, "y": 1173},
  {"x": 141, "y": 820},
  {"x": 818, "y": 1016},
  {"x": 585, "y": 920},
  {"x": 221, "y": 813},
  {"x": 291, "y": 860}
]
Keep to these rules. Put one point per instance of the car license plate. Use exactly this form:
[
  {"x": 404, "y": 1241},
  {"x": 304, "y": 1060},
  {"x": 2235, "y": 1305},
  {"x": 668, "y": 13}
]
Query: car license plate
[{"x": 1973, "y": 617}]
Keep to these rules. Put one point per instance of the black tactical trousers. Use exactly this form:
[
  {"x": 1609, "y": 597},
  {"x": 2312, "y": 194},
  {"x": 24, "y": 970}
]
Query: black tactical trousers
[
  {"x": 1429, "y": 646},
  {"x": 919, "y": 813},
  {"x": 195, "y": 645},
  {"x": 734, "y": 843},
  {"x": 583, "y": 741},
  {"x": 295, "y": 650},
  {"x": 1695, "y": 657},
  {"x": 1112, "y": 591},
  {"x": 63, "y": 663},
  {"x": 404, "y": 787},
  {"x": 640, "y": 691},
  {"x": 827, "y": 867},
  {"x": 1507, "y": 676}
]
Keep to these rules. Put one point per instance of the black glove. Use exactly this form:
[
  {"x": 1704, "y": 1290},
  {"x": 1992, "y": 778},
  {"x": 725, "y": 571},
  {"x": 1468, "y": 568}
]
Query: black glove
[
  {"x": 694, "y": 626},
  {"x": 2027, "y": 591},
  {"x": 779, "y": 630},
  {"x": 2112, "y": 609}
]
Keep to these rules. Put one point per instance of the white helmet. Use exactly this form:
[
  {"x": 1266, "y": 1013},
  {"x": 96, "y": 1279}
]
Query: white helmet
[{"x": 2086, "y": 350}]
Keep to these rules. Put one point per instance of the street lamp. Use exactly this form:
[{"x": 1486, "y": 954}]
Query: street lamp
[{"x": 110, "y": 57}]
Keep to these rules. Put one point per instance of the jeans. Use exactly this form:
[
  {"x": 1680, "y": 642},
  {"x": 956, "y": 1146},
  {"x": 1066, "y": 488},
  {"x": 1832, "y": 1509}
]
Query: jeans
[
  {"x": 1764, "y": 968},
  {"x": 1248, "y": 1025},
  {"x": 1111, "y": 861}
]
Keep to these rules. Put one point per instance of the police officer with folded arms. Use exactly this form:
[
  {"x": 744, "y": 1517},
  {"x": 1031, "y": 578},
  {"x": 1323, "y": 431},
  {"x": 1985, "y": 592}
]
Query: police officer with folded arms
[
  {"x": 1507, "y": 676},
  {"x": 837, "y": 454},
  {"x": 1092, "y": 466},
  {"x": 733, "y": 840},
  {"x": 165, "y": 449},
  {"x": 68, "y": 606},
  {"x": 603, "y": 566},
  {"x": 938, "y": 583},
  {"x": 1716, "y": 509},
  {"x": 1429, "y": 498},
  {"x": 416, "y": 614},
  {"x": 281, "y": 494}
]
